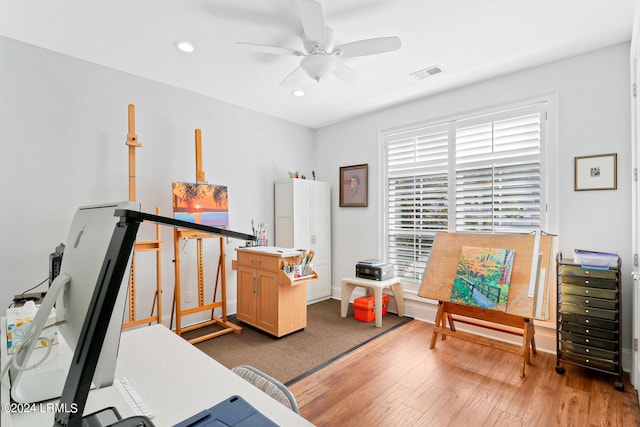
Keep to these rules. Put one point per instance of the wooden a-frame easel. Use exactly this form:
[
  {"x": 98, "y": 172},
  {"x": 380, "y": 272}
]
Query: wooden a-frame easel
[
  {"x": 529, "y": 288},
  {"x": 178, "y": 234},
  {"x": 497, "y": 321},
  {"x": 141, "y": 246}
]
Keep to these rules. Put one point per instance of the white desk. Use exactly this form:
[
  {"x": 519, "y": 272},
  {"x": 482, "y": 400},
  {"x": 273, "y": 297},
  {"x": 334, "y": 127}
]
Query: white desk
[{"x": 175, "y": 379}]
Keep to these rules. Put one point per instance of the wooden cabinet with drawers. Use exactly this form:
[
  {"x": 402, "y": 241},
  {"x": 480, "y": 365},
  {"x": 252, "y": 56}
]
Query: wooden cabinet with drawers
[
  {"x": 589, "y": 319},
  {"x": 268, "y": 299}
]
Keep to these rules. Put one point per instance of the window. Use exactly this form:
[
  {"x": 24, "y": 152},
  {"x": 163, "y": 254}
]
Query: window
[{"x": 475, "y": 174}]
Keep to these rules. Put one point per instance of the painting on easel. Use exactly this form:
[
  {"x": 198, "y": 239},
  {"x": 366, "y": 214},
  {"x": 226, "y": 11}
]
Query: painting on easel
[
  {"x": 200, "y": 203},
  {"x": 483, "y": 277}
]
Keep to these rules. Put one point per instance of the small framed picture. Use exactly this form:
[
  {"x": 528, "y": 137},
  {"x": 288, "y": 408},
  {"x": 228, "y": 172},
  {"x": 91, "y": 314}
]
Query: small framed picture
[
  {"x": 353, "y": 186},
  {"x": 596, "y": 172}
]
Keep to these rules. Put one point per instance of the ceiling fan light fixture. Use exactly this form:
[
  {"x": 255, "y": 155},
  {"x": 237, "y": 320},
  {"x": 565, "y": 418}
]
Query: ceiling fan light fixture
[
  {"x": 318, "y": 67},
  {"x": 185, "y": 46},
  {"x": 321, "y": 57}
]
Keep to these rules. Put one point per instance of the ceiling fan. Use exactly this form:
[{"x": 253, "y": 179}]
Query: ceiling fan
[{"x": 320, "y": 58}]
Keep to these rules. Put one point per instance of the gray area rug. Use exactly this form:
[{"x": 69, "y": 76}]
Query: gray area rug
[{"x": 292, "y": 357}]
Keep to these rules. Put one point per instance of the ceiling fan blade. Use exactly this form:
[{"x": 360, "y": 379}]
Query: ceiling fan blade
[
  {"x": 329, "y": 40},
  {"x": 369, "y": 46},
  {"x": 272, "y": 50},
  {"x": 313, "y": 23},
  {"x": 346, "y": 73},
  {"x": 294, "y": 77}
]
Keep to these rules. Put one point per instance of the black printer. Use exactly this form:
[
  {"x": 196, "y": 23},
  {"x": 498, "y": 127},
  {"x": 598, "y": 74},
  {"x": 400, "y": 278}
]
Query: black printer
[{"x": 374, "y": 269}]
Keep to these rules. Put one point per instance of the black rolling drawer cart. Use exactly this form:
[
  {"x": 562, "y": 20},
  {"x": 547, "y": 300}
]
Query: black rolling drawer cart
[{"x": 589, "y": 318}]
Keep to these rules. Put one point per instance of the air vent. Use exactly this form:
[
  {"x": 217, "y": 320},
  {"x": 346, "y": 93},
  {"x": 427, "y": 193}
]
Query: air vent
[{"x": 429, "y": 71}]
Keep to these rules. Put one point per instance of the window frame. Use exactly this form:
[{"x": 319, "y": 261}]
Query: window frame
[{"x": 547, "y": 105}]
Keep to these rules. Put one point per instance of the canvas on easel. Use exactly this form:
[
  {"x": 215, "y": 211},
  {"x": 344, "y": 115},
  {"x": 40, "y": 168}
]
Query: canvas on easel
[
  {"x": 205, "y": 204},
  {"x": 483, "y": 277},
  {"x": 200, "y": 203}
]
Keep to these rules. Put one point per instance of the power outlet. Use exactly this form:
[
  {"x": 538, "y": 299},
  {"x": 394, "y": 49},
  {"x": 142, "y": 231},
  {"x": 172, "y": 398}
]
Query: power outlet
[{"x": 188, "y": 297}]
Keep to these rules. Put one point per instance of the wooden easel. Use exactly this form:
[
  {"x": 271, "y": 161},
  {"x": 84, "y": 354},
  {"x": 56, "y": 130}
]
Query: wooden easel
[
  {"x": 142, "y": 246},
  {"x": 532, "y": 262},
  {"x": 226, "y": 325},
  {"x": 497, "y": 321}
]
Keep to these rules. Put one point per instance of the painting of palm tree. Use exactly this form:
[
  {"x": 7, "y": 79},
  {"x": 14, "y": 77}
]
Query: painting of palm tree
[
  {"x": 483, "y": 277},
  {"x": 200, "y": 203}
]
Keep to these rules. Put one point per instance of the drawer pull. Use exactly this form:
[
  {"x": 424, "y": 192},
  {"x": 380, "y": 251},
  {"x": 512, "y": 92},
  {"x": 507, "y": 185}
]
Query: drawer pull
[
  {"x": 586, "y": 272},
  {"x": 586, "y": 330},
  {"x": 586, "y": 301},
  {"x": 586, "y": 340},
  {"x": 586, "y": 291},
  {"x": 587, "y": 350},
  {"x": 587, "y": 360},
  {"x": 586, "y": 321},
  {"x": 586, "y": 281},
  {"x": 257, "y": 261},
  {"x": 586, "y": 311}
]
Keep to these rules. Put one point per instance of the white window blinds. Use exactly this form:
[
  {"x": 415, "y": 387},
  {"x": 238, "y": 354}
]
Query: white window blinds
[
  {"x": 417, "y": 200},
  {"x": 498, "y": 162},
  {"x": 480, "y": 174}
]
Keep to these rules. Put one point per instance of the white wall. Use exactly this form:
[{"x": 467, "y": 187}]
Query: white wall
[
  {"x": 63, "y": 128},
  {"x": 592, "y": 116},
  {"x": 63, "y": 125}
]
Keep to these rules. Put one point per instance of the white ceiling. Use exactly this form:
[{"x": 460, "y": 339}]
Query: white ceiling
[{"x": 470, "y": 40}]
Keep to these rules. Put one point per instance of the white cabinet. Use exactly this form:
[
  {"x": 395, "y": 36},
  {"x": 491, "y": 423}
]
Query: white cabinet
[{"x": 303, "y": 221}]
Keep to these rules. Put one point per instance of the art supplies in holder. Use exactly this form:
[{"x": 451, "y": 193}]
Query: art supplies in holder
[
  {"x": 303, "y": 268},
  {"x": 260, "y": 233}
]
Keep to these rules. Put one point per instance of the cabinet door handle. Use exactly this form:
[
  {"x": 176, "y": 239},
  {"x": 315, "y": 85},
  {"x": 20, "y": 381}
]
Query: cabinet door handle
[{"x": 257, "y": 286}]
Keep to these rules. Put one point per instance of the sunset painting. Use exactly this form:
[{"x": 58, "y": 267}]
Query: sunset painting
[
  {"x": 200, "y": 203},
  {"x": 483, "y": 277}
]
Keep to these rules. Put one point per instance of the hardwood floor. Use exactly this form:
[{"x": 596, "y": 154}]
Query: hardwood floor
[{"x": 396, "y": 380}]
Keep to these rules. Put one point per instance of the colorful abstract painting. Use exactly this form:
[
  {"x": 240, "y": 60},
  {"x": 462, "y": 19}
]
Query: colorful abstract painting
[
  {"x": 483, "y": 277},
  {"x": 200, "y": 203}
]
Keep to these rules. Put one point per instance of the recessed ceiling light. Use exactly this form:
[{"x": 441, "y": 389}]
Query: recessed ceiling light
[
  {"x": 185, "y": 47},
  {"x": 297, "y": 93}
]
